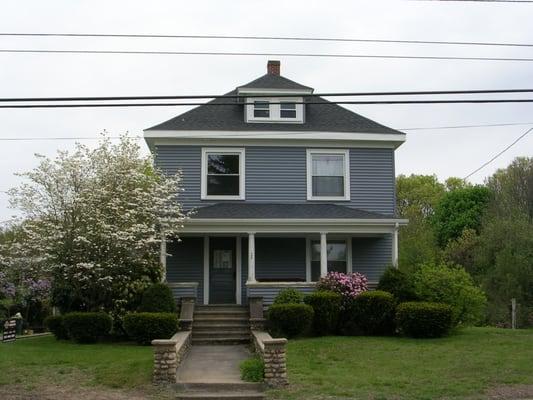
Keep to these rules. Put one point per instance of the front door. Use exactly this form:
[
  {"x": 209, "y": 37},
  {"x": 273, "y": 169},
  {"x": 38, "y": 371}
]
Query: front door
[{"x": 222, "y": 270}]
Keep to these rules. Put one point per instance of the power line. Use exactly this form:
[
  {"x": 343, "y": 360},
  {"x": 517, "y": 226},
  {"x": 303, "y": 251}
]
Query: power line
[
  {"x": 463, "y": 126},
  {"x": 499, "y": 154},
  {"x": 374, "y": 102},
  {"x": 214, "y": 53},
  {"x": 265, "y": 38},
  {"x": 231, "y": 96}
]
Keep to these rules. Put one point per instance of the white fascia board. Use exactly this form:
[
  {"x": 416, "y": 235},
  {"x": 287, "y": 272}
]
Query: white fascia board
[
  {"x": 278, "y": 225},
  {"x": 275, "y": 138}
]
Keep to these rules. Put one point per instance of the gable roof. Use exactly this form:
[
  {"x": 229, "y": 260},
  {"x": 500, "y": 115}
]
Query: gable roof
[
  {"x": 322, "y": 117},
  {"x": 270, "y": 81}
]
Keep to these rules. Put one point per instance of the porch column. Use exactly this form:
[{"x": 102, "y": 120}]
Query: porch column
[
  {"x": 251, "y": 257},
  {"x": 163, "y": 256},
  {"x": 395, "y": 246},
  {"x": 323, "y": 255}
]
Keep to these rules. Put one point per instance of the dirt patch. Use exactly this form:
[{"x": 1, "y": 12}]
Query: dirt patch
[
  {"x": 511, "y": 392},
  {"x": 56, "y": 392}
]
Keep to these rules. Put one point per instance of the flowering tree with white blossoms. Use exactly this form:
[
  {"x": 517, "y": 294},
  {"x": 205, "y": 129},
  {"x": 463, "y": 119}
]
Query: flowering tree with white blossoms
[{"x": 94, "y": 220}]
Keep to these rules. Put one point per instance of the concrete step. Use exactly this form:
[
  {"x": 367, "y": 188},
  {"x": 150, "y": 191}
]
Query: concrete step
[
  {"x": 220, "y": 319},
  {"x": 226, "y": 340},
  {"x": 218, "y": 395},
  {"x": 220, "y": 334},
  {"x": 221, "y": 328},
  {"x": 238, "y": 313},
  {"x": 219, "y": 386},
  {"x": 220, "y": 307}
]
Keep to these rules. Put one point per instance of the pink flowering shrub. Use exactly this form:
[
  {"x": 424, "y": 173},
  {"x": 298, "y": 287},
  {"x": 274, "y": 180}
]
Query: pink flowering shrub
[{"x": 347, "y": 285}]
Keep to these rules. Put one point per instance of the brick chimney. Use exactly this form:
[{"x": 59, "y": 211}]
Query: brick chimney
[{"x": 273, "y": 67}]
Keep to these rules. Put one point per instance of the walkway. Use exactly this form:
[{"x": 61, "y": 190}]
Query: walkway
[{"x": 213, "y": 364}]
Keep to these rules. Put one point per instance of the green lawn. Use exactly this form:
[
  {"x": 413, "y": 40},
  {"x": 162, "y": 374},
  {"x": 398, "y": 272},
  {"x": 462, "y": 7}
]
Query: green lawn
[
  {"x": 35, "y": 360},
  {"x": 465, "y": 365}
]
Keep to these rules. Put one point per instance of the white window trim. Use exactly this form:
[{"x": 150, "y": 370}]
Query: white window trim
[
  {"x": 223, "y": 150},
  {"x": 346, "y": 154},
  {"x": 309, "y": 256},
  {"x": 274, "y": 110}
]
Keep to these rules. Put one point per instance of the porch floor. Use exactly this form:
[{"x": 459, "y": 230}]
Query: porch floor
[{"x": 213, "y": 364}]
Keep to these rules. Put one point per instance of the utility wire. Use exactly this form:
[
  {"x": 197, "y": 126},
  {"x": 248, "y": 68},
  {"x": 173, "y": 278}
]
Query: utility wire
[
  {"x": 374, "y": 102},
  {"x": 214, "y": 53},
  {"x": 499, "y": 154},
  {"x": 267, "y": 38},
  {"x": 231, "y": 96}
]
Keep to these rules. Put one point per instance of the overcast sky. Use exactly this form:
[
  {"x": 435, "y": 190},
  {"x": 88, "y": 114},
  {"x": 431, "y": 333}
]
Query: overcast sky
[{"x": 443, "y": 152}]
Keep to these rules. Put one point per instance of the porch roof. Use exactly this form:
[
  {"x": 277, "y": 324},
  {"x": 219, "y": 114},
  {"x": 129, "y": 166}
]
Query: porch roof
[{"x": 299, "y": 211}]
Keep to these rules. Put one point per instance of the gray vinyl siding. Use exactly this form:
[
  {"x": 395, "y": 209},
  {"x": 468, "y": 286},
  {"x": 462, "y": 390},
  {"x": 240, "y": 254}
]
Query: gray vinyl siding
[
  {"x": 185, "y": 263},
  {"x": 371, "y": 256},
  {"x": 278, "y": 175},
  {"x": 280, "y": 259},
  {"x": 269, "y": 293},
  {"x": 179, "y": 292}
]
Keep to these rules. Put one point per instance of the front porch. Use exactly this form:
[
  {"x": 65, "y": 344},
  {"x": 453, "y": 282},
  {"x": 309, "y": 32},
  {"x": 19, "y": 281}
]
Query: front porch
[{"x": 226, "y": 262}]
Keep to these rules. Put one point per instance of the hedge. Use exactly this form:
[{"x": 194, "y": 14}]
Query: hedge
[
  {"x": 158, "y": 298},
  {"x": 326, "y": 306},
  {"x": 56, "y": 325},
  {"x": 289, "y": 319},
  {"x": 289, "y": 296},
  {"x": 424, "y": 319},
  {"x": 87, "y": 327},
  {"x": 145, "y": 327},
  {"x": 398, "y": 283},
  {"x": 370, "y": 313}
]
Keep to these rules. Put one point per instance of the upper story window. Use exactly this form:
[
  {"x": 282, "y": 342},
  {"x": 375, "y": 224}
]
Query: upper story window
[
  {"x": 328, "y": 174},
  {"x": 273, "y": 109},
  {"x": 261, "y": 109},
  {"x": 222, "y": 174}
]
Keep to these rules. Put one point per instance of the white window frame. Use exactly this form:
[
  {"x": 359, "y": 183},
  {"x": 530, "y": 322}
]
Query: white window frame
[
  {"x": 223, "y": 150},
  {"x": 346, "y": 154},
  {"x": 309, "y": 252},
  {"x": 274, "y": 109}
]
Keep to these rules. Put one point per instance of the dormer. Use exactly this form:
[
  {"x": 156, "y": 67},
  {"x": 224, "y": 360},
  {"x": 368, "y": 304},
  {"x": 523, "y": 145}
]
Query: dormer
[{"x": 273, "y": 98}]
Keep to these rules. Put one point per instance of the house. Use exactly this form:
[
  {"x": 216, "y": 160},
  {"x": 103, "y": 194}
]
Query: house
[{"x": 285, "y": 187}]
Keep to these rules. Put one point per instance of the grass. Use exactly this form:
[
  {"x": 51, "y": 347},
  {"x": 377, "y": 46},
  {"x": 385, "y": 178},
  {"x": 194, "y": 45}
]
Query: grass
[
  {"x": 44, "y": 359},
  {"x": 464, "y": 365}
]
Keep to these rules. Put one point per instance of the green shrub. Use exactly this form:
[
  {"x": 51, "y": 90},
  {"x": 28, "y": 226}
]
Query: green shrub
[
  {"x": 398, "y": 283},
  {"x": 145, "y": 327},
  {"x": 370, "y": 313},
  {"x": 252, "y": 370},
  {"x": 454, "y": 286},
  {"x": 424, "y": 319},
  {"x": 289, "y": 296},
  {"x": 289, "y": 319},
  {"x": 158, "y": 298},
  {"x": 326, "y": 306},
  {"x": 87, "y": 327},
  {"x": 56, "y": 325}
]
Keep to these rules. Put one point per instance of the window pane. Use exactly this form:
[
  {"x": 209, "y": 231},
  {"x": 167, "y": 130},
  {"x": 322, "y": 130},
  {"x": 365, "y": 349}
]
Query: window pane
[
  {"x": 287, "y": 110},
  {"x": 261, "y": 109},
  {"x": 328, "y": 186},
  {"x": 336, "y": 250},
  {"x": 223, "y": 164},
  {"x": 327, "y": 165},
  {"x": 222, "y": 185}
]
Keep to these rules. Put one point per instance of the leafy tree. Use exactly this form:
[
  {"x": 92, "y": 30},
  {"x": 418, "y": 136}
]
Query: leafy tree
[
  {"x": 458, "y": 210},
  {"x": 451, "y": 285},
  {"x": 416, "y": 198},
  {"x": 94, "y": 221}
]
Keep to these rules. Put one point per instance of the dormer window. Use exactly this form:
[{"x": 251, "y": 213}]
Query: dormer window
[
  {"x": 261, "y": 109},
  {"x": 274, "y": 109},
  {"x": 287, "y": 110}
]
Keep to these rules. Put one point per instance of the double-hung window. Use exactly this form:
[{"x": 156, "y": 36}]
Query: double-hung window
[
  {"x": 328, "y": 175},
  {"x": 287, "y": 110},
  {"x": 337, "y": 257},
  {"x": 261, "y": 109},
  {"x": 222, "y": 174}
]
